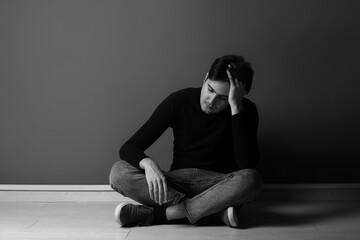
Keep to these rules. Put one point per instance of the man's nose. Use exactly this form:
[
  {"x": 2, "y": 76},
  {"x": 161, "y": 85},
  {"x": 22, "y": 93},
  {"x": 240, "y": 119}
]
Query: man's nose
[{"x": 212, "y": 99}]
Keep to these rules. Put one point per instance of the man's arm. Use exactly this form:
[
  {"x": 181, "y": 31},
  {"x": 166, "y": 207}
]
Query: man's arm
[
  {"x": 245, "y": 122},
  {"x": 133, "y": 151},
  {"x": 244, "y": 131}
]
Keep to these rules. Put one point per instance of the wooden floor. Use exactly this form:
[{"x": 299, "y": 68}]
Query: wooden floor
[{"x": 259, "y": 220}]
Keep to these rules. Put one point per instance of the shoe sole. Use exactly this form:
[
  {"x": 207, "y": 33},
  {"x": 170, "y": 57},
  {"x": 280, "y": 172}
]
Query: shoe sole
[
  {"x": 118, "y": 211},
  {"x": 232, "y": 217}
]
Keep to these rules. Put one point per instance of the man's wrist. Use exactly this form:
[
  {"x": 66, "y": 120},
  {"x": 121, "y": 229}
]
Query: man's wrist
[
  {"x": 145, "y": 162},
  {"x": 236, "y": 107}
]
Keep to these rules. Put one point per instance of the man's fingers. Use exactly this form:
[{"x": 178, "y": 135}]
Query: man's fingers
[
  {"x": 156, "y": 192},
  {"x": 151, "y": 190},
  {"x": 165, "y": 191},
  {"x": 230, "y": 77},
  {"x": 233, "y": 71},
  {"x": 161, "y": 191},
  {"x": 234, "y": 75},
  {"x": 237, "y": 83}
]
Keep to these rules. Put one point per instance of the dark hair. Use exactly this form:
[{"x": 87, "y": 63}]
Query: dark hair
[{"x": 241, "y": 69}]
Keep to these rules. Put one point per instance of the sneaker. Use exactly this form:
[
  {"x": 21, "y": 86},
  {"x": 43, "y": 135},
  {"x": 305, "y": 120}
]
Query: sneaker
[
  {"x": 129, "y": 215},
  {"x": 230, "y": 217}
]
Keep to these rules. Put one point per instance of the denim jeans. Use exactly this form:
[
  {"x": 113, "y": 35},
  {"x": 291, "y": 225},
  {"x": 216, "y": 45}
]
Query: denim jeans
[{"x": 201, "y": 191}]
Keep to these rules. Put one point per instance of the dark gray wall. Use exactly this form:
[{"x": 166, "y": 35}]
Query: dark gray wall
[{"x": 78, "y": 78}]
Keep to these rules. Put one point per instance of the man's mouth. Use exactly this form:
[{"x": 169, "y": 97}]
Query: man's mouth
[{"x": 210, "y": 107}]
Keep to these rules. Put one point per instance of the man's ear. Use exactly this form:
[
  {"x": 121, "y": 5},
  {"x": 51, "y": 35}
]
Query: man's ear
[{"x": 207, "y": 74}]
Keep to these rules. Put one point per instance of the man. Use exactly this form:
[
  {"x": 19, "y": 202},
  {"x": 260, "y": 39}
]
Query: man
[{"x": 214, "y": 156}]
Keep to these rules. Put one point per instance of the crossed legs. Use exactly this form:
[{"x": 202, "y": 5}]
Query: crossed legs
[{"x": 192, "y": 193}]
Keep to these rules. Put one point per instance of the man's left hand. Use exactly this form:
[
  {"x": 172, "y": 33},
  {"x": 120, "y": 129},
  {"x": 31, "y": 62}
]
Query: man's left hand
[{"x": 237, "y": 90}]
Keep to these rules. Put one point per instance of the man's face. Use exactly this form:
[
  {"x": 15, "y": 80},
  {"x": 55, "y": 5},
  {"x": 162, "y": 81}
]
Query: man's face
[{"x": 214, "y": 96}]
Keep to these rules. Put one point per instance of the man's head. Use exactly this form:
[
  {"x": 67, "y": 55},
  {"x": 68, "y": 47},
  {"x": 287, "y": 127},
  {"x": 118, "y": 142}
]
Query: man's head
[{"x": 216, "y": 86}]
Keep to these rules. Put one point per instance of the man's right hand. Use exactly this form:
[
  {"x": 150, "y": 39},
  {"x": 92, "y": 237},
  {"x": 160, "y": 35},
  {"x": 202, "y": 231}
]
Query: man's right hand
[{"x": 155, "y": 179}]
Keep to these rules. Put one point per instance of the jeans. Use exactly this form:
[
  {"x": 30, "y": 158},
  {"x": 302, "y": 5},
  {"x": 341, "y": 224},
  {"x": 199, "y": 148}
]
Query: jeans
[{"x": 201, "y": 191}]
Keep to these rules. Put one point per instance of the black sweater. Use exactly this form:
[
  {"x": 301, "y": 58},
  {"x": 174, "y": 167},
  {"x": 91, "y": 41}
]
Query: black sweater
[{"x": 218, "y": 142}]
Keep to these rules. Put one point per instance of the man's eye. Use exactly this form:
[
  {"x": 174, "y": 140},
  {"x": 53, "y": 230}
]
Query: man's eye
[{"x": 211, "y": 90}]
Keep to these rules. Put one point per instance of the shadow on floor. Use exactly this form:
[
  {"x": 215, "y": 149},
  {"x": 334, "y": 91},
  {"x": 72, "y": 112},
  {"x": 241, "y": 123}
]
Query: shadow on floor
[{"x": 260, "y": 214}]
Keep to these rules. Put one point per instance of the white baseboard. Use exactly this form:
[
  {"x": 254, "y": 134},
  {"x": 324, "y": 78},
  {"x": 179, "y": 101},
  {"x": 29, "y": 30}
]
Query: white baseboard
[
  {"x": 48, "y": 187},
  {"x": 58, "y": 193},
  {"x": 104, "y": 193}
]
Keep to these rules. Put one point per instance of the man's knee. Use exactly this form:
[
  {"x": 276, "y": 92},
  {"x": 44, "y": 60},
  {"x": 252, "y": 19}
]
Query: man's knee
[
  {"x": 119, "y": 174},
  {"x": 251, "y": 178}
]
